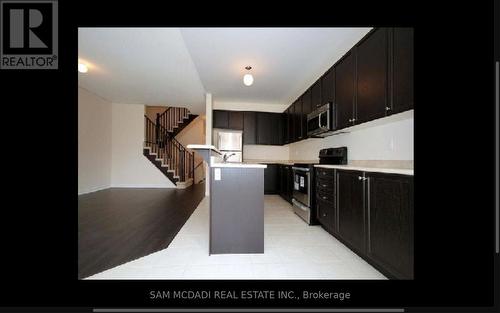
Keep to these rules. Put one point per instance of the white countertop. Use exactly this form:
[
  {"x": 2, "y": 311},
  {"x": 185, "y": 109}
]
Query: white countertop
[
  {"x": 402, "y": 171},
  {"x": 238, "y": 165}
]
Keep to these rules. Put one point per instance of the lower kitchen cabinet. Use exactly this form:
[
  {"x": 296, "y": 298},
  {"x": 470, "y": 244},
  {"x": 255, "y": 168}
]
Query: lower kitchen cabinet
[
  {"x": 372, "y": 213},
  {"x": 351, "y": 210},
  {"x": 390, "y": 222},
  {"x": 271, "y": 182},
  {"x": 286, "y": 182}
]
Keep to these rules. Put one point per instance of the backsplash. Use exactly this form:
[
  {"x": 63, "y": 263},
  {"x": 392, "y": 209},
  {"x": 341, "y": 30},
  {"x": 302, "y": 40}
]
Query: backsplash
[{"x": 374, "y": 145}]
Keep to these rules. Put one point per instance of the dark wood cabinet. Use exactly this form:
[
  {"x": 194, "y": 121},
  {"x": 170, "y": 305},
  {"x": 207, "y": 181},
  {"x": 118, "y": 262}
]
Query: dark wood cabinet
[
  {"x": 390, "y": 223},
  {"x": 345, "y": 87},
  {"x": 286, "y": 126},
  {"x": 271, "y": 182},
  {"x": 328, "y": 87},
  {"x": 298, "y": 124},
  {"x": 326, "y": 211},
  {"x": 264, "y": 128},
  {"x": 401, "y": 69},
  {"x": 291, "y": 121},
  {"x": 220, "y": 119},
  {"x": 351, "y": 210},
  {"x": 235, "y": 120},
  {"x": 316, "y": 95},
  {"x": 306, "y": 109},
  {"x": 371, "y": 87},
  {"x": 249, "y": 128},
  {"x": 286, "y": 182}
]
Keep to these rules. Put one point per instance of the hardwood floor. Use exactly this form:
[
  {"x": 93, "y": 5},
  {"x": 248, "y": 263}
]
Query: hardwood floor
[{"x": 118, "y": 225}]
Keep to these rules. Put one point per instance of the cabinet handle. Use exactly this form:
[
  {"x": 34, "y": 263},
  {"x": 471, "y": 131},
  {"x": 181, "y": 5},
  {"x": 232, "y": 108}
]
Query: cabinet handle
[
  {"x": 360, "y": 177},
  {"x": 353, "y": 120},
  {"x": 323, "y": 185},
  {"x": 387, "y": 108},
  {"x": 324, "y": 198}
]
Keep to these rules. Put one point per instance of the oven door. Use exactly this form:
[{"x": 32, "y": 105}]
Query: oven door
[{"x": 301, "y": 185}]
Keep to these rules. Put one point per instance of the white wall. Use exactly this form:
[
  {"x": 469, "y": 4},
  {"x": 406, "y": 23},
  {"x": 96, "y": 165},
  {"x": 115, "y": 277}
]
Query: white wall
[
  {"x": 241, "y": 106},
  {"x": 391, "y": 139},
  {"x": 129, "y": 167},
  {"x": 264, "y": 152},
  {"x": 94, "y": 142}
]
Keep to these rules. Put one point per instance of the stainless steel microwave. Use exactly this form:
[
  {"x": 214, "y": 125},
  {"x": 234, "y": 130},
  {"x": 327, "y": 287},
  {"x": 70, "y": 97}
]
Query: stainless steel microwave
[{"x": 320, "y": 121}]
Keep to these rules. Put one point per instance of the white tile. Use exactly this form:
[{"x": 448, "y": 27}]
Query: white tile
[{"x": 292, "y": 250}]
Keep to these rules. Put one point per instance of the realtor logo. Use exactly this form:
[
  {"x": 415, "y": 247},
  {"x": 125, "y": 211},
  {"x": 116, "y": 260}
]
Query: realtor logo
[{"x": 29, "y": 37}]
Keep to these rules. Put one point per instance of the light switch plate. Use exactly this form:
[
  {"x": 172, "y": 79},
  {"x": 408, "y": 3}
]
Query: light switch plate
[{"x": 217, "y": 175}]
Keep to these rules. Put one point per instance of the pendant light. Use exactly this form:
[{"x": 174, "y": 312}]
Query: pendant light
[{"x": 248, "y": 78}]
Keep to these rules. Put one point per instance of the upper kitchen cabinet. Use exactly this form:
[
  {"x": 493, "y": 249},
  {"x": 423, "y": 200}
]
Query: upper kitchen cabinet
[
  {"x": 228, "y": 119},
  {"x": 298, "y": 125},
  {"x": 269, "y": 128},
  {"x": 316, "y": 95},
  {"x": 307, "y": 108},
  {"x": 249, "y": 128},
  {"x": 220, "y": 119},
  {"x": 372, "y": 86},
  {"x": 235, "y": 120},
  {"x": 345, "y": 88},
  {"x": 401, "y": 69},
  {"x": 327, "y": 86},
  {"x": 286, "y": 126}
]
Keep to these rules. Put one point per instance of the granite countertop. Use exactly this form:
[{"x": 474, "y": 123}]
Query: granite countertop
[{"x": 402, "y": 171}]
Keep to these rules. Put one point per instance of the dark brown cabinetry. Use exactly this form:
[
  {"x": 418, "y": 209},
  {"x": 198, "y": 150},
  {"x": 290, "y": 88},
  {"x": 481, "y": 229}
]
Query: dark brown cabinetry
[
  {"x": 228, "y": 119},
  {"x": 390, "y": 222},
  {"x": 326, "y": 211},
  {"x": 351, "y": 210},
  {"x": 371, "y": 73},
  {"x": 286, "y": 126},
  {"x": 372, "y": 213},
  {"x": 249, "y": 128},
  {"x": 345, "y": 87},
  {"x": 286, "y": 182},
  {"x": 316, "y": 95},
  {"x": 298, "y": 119},
  {"x": 269, "y": 128},
  {"x": 235, "y": 120},
  {"x": 271, "y": 179},
  {"x": 401, "y": 69},
  {"x": 307, "y": 108},
  {"x": 328, "y": 87},
  {"x": 220, "y": 119}
]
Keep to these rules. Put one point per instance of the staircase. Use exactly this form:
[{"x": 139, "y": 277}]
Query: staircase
[{"x": 164, "y": 151}]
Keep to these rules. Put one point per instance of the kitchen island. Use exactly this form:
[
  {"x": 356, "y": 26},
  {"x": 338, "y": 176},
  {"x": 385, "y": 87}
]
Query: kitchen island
[{"x": 236, "y": 205}]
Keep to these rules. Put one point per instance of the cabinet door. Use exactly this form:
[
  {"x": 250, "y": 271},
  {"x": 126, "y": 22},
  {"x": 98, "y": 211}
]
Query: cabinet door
[
  {"x": 316, "y": 95},
  {"x": 249, "y": 128},
  {"x": 235, "y": 120},
  {"x": 289, "y": 182},
  {"x": 298, "y": 119},
  {"x": 350, "y": 208},
  {"x": 220, "y": 119},
  {"x": 402, "y": 69},
  {"x": 345, "y": 90},
  {"x": 264, "y": 128},
  {"x": 271, "y": 179},
  {"x": 326, "y": 215},
  {"x": 306, "y": 109},
  {"x": 291, "y": 121},
  {"x": 390, "y": 223},
  {"x": 285, "y": 128},
  {"x": 327, "y": 86},
  {"x": 277, "y": 128},
  {"x": 371, "y": 64}
]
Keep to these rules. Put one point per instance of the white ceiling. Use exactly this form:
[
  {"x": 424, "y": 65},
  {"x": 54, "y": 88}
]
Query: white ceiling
[{"x": 172, "y": 66}]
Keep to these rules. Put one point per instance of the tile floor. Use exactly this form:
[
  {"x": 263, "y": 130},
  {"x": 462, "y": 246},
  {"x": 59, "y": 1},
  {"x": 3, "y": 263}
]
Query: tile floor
[{"x": 293, "y": 250}]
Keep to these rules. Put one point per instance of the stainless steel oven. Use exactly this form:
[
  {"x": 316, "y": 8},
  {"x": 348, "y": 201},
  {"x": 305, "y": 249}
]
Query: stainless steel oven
[{"x": 302, "y": 192}]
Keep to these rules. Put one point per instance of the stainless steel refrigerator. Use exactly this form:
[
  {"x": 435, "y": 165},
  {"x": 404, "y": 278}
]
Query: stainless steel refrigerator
[{"x": 230, "y": 143}]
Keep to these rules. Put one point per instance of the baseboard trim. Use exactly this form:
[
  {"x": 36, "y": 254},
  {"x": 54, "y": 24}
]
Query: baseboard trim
[{"x": 93, "y": 190}]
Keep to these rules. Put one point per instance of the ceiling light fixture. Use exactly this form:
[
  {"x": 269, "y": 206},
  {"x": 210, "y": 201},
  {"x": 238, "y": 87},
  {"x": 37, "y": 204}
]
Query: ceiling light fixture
[
  {"x": 248, "y": 78},
  {"x": 83, "y": 68}
]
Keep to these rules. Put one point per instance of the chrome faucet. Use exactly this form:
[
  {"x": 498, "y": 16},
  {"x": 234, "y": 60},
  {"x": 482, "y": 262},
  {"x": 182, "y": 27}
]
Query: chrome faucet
[{"x": 227, "y": 156}]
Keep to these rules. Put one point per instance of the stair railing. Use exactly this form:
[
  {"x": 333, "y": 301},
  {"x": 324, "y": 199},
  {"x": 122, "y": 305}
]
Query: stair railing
[
  {"x": 171, "y": 117},
  {"x": 169, "y": 149}
]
